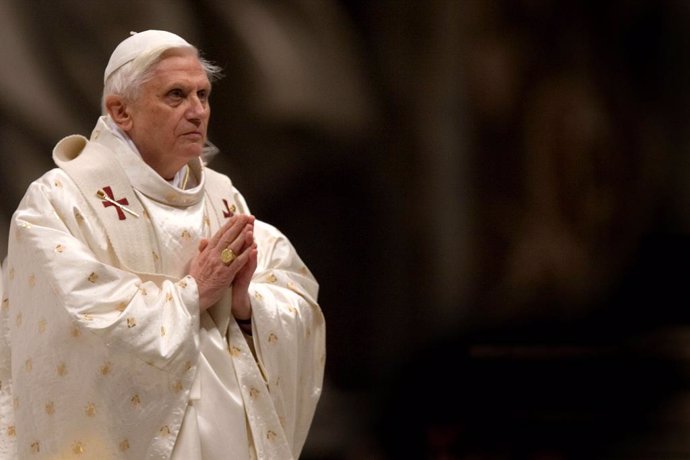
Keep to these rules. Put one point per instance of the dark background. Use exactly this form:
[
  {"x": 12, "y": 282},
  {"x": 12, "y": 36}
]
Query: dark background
[{"x": 493, "y": 195}]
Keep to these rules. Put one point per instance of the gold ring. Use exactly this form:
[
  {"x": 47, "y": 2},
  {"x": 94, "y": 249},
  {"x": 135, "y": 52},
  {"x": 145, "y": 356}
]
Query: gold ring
[{"x": 227, "y": 256}]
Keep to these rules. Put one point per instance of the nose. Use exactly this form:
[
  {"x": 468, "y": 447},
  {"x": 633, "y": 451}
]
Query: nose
[{"x": 197, "y": 109}]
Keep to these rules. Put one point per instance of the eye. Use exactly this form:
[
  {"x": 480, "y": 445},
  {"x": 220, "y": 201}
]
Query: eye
[
  {"x": 176, "y": 93},
  {"x": 203, "y": 95}
]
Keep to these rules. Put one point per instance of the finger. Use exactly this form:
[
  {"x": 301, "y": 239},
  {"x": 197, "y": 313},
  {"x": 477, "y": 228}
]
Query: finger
[
  {"x": 203, "y": 244},
  {"x": 238, "y": 247},
  {"x": 238, "y": 242},
  {"x": 249, "y": 239},
  {"x": 241, "y": 260},
  {"x": 229, "y": 231}
]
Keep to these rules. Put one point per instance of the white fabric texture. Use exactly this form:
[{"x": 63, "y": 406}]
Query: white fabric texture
[{"x": 112, "y": 363}]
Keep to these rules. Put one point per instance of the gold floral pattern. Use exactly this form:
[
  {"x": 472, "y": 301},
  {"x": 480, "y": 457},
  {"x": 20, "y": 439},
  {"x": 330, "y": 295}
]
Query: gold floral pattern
[
  {"x": 61, "y": 369},
  {"x": 105, "y": 368},
  {"x": 78, "y": 448},
  {"x": 234, "y": 351}
]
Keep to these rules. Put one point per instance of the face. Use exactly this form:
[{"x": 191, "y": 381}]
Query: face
[{"x": 168, "y": 120}]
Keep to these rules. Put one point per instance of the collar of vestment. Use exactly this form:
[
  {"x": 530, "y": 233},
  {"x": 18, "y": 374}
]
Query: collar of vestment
[
  {"x": 142, "y": 177},
  {"x": 108, "y": 172}
]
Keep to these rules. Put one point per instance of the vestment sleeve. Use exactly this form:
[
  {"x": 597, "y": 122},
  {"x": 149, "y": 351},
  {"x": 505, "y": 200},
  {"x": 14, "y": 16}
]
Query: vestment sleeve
[
  {"x": 60, "y": 250},
  {"x": 288, "y": 331}
]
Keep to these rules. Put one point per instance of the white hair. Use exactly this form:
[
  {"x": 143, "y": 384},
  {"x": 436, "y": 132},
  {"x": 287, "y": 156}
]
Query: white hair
[{"x": 128, "y": 79}]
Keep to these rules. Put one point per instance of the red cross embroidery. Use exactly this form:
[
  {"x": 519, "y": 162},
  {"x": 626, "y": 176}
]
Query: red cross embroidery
[
  {"x": 122, "y": 201},
  {"x": 228, "y": 212}
]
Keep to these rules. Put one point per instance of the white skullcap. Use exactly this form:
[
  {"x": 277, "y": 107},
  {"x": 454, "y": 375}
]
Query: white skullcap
[{"x": 138, "y": 44}]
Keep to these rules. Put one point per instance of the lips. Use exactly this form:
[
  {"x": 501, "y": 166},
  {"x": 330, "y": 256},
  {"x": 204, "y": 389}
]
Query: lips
[{"x": 194, "y": 135}]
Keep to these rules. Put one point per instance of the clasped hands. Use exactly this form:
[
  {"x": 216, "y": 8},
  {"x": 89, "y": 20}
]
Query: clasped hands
[{"x": 227, "y": 259}]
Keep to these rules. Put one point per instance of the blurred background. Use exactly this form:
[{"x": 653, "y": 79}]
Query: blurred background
[{"x": 493, "y": 195}]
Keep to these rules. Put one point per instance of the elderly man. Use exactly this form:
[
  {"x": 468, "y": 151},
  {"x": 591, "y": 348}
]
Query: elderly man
[{"x": 150, "y": 315}]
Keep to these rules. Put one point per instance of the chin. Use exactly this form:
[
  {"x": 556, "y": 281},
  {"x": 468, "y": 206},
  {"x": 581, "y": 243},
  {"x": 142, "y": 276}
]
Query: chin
[{"x": 193, "y": 152}]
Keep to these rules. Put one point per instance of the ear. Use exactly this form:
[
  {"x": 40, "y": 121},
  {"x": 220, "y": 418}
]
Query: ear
[{"x": 119, "y": 111}]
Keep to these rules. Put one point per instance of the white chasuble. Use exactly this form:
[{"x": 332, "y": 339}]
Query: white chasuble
[{"x": 110, "y": 358}]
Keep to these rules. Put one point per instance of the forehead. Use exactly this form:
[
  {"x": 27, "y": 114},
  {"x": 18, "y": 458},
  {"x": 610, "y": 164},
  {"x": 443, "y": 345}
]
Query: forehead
[{"x": 180, "y": 67}]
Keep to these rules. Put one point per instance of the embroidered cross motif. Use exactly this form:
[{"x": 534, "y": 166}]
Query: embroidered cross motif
[
  {"x": 109, "y": 200},
  {"x": 229, "y": 209}
]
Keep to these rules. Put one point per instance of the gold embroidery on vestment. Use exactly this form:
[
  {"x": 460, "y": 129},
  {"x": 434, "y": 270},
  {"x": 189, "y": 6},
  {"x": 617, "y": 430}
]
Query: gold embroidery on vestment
[
  {"x": 61, "y": 369},
  {"x": 234, "y": 351},
  {"x": 78, "y": 448}
]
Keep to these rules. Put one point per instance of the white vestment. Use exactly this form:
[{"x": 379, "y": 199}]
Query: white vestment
[{"x": 110, "y": 357}]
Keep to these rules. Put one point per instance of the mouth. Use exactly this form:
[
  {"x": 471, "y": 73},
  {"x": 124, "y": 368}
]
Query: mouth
[{"x": 194, "y": 135}]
